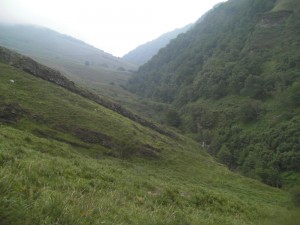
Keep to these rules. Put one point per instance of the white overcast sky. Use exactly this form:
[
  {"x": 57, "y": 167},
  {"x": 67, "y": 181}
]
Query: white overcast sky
[{"x": 115, "y": 26}]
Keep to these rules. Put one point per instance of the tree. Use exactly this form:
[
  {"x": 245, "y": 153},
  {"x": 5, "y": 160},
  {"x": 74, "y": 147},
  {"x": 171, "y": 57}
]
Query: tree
[
  {"x": 254, "y": 87},
  {"x": 225, "y": 156},
  {"x": 250, "y": 111},
  {"x": 294, "y": 94},
  {"x": 172, "y": 118}
]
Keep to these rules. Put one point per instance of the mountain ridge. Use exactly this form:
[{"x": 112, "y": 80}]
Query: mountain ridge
[
  {"x": 80, "y": 62},
  {"x": 145, "y": 52},
  {"x": 8, "y": 31}
]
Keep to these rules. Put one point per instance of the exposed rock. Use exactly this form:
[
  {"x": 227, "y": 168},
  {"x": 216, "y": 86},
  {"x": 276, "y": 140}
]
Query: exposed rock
[
  {"x": 93, "y": 137},
  {"x": 274, "y": 18},
  {"x": 11, "y": 112}
]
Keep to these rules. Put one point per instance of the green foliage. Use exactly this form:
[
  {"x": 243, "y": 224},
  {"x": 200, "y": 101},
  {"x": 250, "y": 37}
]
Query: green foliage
[
  {"x": 254, "y": 87},
  {"x": 296, "y": 196},
  {"x": 293, "y": 94},
  {"x": 250, "y": 111},
  {"x": 286, "y": 5},
  {"x": 172, "y": 118},
  {"x": 225, "y": 156},
  {"x": 234, "y": 78}
]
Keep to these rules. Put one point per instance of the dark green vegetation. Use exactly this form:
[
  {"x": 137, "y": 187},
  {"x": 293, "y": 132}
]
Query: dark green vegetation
[
  {"x": 233, "y": 83},
  {"x": 145, "y": 52},
  {"x": 79, "y": 61},
  {"x": 66, "y": 159}
]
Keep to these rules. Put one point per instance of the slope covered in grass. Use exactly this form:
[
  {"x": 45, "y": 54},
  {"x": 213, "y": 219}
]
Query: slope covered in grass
[
  {"x": 291, "y": 5},
  {"x": 67, "y": 160},
  {"x": 80, "y": 62}
]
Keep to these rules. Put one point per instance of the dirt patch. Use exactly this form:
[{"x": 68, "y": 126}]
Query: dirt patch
[
  {"x": 148, "y": 151},
  {"x": 11, "y": 113},
  {"x": 93, "y": 137},
  {"x": 51, "y": 134}
]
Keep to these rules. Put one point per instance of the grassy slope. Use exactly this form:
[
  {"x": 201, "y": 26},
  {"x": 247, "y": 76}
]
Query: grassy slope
[
  {"x": 286, "y": 5},
  {"x": 69, "y": 56},
  {"x": 50, "y": 176}
]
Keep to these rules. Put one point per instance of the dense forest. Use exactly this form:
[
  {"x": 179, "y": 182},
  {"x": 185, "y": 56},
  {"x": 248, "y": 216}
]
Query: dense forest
[{"x": 233, "y": 83}]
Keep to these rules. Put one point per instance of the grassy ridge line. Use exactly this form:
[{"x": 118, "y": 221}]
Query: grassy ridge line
[
  {"x": 32, "y": 67},
  {"x": 80, "y": 62}
]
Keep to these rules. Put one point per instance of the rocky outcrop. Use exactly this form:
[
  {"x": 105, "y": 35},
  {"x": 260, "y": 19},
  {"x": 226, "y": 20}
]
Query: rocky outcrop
[{"x": 32, "y": 67}]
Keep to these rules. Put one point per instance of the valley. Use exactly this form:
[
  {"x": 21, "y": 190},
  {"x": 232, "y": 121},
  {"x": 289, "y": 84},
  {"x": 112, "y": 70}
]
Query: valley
[
  {"x": 201, "y": 130},
  {"x": 68, "y": 160}
]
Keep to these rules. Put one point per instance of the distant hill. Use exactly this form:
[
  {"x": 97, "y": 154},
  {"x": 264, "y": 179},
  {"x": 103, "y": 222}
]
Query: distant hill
[
  {"x": 233, "y": 82},
  {"x": 81, "y": 62},
  {"x": 69, "y": 158},
  {"x": 145, "y": 52}
]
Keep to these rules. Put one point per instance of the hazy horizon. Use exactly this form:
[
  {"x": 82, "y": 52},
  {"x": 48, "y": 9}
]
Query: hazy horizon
[{"x": 114, "y": 27}]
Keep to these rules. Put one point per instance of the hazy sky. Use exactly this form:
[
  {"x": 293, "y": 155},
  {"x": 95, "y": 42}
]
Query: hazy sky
[{"x": 115, "y": 26}]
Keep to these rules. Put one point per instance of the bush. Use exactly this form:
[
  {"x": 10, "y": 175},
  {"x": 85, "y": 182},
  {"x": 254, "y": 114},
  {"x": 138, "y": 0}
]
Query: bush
[
  {"x": 294, "y": 94},
  {"x": 254, "y": 87},
  {"x": 296, "y": 196},
  {"x": 250, "y": 111},
  {"x": 225, "y": 156},
  {"x": 172, "y": 118}
]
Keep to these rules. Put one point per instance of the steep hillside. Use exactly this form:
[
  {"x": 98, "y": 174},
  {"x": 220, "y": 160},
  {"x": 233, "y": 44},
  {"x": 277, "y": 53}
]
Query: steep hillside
[
  {"x": 65, "y": 159},
  {"x": 77, "y": 60},
  {"x": 32, "y": 67},
  {"x": 233, "y": 82},
  {"x": 145, "y": 52}
]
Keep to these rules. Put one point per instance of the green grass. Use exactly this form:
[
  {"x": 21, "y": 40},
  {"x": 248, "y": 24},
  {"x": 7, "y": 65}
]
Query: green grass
[
  {"x": 292, "y": 5},
  {"x": 49, "y": 175}
]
